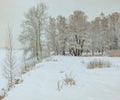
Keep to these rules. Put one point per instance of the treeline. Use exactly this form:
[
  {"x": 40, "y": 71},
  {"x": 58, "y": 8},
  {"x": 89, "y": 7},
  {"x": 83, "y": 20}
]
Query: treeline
[{"x": 44, "y": 35}]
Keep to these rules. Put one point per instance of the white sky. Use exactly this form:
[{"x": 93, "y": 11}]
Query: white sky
[{"x": 12, "y": 11}]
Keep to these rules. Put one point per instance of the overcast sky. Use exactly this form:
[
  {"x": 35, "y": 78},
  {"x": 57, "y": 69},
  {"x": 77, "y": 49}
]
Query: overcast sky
[{"x": 12, "y": 11}]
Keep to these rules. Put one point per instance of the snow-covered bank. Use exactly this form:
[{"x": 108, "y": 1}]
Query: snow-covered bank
[{"x": 91, "y": 84}]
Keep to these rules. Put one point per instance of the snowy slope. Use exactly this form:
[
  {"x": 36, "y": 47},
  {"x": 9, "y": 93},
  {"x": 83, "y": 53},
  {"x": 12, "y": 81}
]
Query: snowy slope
[{"x": 91, "y": 84}]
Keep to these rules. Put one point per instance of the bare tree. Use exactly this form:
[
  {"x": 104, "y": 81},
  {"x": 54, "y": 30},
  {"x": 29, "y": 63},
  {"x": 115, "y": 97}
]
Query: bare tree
[
  {"x": 33, "y": 27},
  {"x": 10, "y": 62}
]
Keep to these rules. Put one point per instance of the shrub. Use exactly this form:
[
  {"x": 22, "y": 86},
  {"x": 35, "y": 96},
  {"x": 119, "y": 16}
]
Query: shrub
[{"x": 98, "y": 64}]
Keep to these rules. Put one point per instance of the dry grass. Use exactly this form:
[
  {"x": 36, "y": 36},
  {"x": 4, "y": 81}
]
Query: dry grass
[
  {"x": 3, "y": 91},
  {"x": 1, "y": 97},
  {"x": 18, "y": 81},
  {"x": 98, "y": 64},
  {"x": 68, "y": 80}
]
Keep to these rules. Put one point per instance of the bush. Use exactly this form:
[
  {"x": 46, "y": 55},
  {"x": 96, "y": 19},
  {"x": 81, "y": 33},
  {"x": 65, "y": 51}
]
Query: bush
[{"x": 98, "y": 64}]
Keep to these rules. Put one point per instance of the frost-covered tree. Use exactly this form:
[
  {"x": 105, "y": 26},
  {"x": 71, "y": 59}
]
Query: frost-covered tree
[
  {"x": 114, "y": 29},
  {"x": 95, "y": 30},
  {"x": 61, "y": 34},
  {"x": 103, "y": 34},
  {"x": 78, "y": 29},
  {"x": 103, "y": 41},
  {"x": 51, "y": 36},
  {"x": 118, "y": 31},
  {"x": 33, "y": 27},
  {"x": 75, "y": 45}
]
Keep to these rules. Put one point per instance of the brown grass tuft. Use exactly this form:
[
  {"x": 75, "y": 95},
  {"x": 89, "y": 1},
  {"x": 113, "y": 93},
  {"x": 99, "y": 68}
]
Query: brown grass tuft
[
  {"x": 98, "y": 64},
  {"x": 68, "y": 80}
]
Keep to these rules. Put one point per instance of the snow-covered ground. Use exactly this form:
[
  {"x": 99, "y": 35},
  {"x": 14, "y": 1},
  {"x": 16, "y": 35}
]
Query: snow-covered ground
[{"x": 91, "y": 84}]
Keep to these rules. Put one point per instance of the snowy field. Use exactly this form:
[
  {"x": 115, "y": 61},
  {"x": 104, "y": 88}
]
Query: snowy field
[{"x": 90, "y": 84}]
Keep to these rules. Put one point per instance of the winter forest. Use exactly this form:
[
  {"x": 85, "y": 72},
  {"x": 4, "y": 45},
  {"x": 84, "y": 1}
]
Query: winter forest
[
  {"x": 64, "y": 55},
  {"x": 45, "y": 35}
]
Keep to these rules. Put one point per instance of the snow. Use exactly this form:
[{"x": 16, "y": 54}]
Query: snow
[{"x": 91, "y": 84}]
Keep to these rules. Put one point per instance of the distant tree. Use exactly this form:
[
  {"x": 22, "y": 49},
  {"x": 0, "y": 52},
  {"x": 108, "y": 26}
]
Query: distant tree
[{"x": 33, "y": 27}]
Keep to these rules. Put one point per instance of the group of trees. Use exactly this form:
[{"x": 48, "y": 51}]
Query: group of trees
[
  {"x": 44, "y": 35},
  {"x": 105, "y": 32}
]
